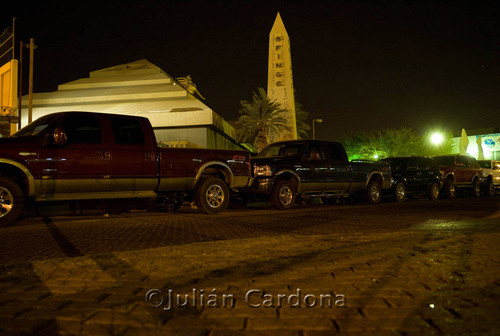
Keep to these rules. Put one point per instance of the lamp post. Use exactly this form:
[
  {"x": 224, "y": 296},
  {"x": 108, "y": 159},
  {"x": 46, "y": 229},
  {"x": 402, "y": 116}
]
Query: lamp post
[
  {"x": 436, "y": 139},
  {"x": 319, "y": 121}
]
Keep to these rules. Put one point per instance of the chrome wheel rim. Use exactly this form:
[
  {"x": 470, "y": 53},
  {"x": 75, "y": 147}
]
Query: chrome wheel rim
[
  {"x": 452, "y": 190},
  {"x": 6, "y": 201},
  {"x": 375, "y": 192},
  {"x": 215, "y": 196},
  {"x": 435, "y": 191},
  {"x": 286, "y": 195},
  {"x": 400, "y": 191}
]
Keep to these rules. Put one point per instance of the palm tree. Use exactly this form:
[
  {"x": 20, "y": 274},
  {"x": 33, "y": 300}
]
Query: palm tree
[
  {"x": 258, "y": 118},
  {"x": 301, "y": 117}
]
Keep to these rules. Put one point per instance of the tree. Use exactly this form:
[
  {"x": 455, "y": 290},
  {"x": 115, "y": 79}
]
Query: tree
[
  {"x": 361, "y": 145},
  {"x": 391, "y": 142},
  {"x": 258, "y": 118},
  {"x": 301, "y": 118},
  {"x": 400, "y": 142}
]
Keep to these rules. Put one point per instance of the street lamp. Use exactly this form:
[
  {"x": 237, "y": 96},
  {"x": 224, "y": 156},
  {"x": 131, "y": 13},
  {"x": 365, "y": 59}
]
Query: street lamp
[
  {"x": 436, "y": 139},
  {"x": 319, "y": 121}
]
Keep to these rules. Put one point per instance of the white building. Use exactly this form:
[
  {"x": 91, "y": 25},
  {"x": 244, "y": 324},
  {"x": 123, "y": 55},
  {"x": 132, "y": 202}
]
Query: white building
[
  {"x": 143, "y": 89},
  {"x": 490, "y": 144}
]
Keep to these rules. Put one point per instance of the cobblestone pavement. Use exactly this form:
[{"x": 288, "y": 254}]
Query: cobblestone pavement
[{"x": 417, "y": 268}]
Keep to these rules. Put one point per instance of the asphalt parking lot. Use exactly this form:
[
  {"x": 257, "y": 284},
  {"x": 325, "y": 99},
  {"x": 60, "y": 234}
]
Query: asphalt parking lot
[{"x": 419, "y": 267}]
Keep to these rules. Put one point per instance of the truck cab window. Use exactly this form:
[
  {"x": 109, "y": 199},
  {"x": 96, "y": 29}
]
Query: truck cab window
[
  {"x": 313, "y": 152},
  {"x": 463, "y": 162},
  {"x": 82, "y": 129},
  {"x": 412, "y": 163},
  {"x": 336, "y": 152},
  {"x": 127, "y": 131},
  {"x": 422, "y": 164}
]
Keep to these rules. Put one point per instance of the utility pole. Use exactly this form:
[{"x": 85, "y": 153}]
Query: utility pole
[
  {"x": 319, "y": 121},
  {"x": 20, "y": 85},
  {"x": 32, "y": 48}
]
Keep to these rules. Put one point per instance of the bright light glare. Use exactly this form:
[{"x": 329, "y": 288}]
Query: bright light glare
[
  {"x": 436, "y": 138},
  {"x": 375, "y": 156}
]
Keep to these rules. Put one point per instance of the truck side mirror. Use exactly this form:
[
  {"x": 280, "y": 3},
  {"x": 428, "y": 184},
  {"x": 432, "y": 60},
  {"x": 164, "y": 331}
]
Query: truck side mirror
[{"x": 60, "y": 137}]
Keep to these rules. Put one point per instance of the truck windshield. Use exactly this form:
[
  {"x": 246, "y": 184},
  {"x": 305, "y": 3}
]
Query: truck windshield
[
  {"x": 280, "y": 150},
  {"x": 35, "y": 127}
]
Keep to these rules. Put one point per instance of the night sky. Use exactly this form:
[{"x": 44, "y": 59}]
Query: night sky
[{"x": 356, "y": 64}]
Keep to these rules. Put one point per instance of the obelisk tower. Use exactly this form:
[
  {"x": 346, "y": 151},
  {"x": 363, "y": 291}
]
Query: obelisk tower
[{"x": 279, "y": 79}]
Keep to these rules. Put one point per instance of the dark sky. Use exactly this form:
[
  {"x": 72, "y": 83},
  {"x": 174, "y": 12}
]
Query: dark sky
[{"x": 356, "y": 64}]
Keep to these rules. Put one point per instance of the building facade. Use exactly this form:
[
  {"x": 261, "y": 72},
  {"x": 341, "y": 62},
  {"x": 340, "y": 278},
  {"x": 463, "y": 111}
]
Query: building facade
[
  {"x": 488, "y": 139},
  {"x": 141, "y": 88}
]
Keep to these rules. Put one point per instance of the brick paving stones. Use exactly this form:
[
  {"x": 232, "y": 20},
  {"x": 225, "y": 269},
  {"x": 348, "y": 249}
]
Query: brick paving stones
[{"x": 417, "y": 268}]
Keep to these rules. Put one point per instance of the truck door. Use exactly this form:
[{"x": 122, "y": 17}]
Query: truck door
[
  {"x": 426, "y": 173},
  {"x": 132, "y": 155},
  {"x": 75, "y": 162},
  {"x": 338, "y": 170},
  {"x": 464, "y": 173},
  {"x": 315, "y": 168},
  {"x": 413, "y": 176}
]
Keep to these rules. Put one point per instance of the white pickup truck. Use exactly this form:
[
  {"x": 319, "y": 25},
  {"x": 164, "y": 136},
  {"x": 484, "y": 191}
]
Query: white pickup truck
[{"x": 491, "y": 175}]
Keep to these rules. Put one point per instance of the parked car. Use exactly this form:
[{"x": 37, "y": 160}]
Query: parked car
[
  {"x": 414, "y": 175},
  {"x": 460, "y": 172},
  {"x": 85, "y": 155},
  {"x": 309, "y": 168},
  {"x": 491, "y": 175}
]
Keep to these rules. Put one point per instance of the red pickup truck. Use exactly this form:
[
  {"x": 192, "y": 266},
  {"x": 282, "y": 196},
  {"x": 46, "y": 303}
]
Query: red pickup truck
[{"x": 85, "y": 155}]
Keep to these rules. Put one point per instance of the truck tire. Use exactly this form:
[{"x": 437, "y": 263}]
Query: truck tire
[
  {"x": 433, "y": 191},
  {"x": 11, "y": 201},
  {"x": 212, "y": 195},
  {"x": 283, "y": 195},
  {"x": 400, "y": 192},
  {"x": 476, "y": 188},
  {"x": 449, "y": 190},
  {"x": 373, "y": 193},
  {"x": 489, "y": 188}
]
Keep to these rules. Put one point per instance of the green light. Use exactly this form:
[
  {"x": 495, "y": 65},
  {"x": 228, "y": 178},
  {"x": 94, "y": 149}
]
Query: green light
[{"x": 436, "y": 138}]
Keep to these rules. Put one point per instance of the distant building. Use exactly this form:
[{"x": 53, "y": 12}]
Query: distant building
[
  {"x": 141, "y": 88},
  {"x": 490, "y": 143}
]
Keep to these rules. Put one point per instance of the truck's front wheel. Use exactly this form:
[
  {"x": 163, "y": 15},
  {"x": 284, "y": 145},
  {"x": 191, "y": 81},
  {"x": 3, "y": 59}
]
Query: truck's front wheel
[
  {"x": 489, "y": 188},
  {"x": 212, "y": 195},
  {"x": 433, "y": 191},
  {"x": 283, "y": 195},
  {"x": 373, "y": 193},
  {"x": 476, "y": 188},
  {"x": 449, "y": 190},
  {"x": 400, "y": 192},
  {"x": 11, "y": 201}
]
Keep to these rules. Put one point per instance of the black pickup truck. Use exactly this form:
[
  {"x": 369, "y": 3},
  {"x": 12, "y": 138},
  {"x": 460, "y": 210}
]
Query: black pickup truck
[{"x": 307, "y": 168}]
